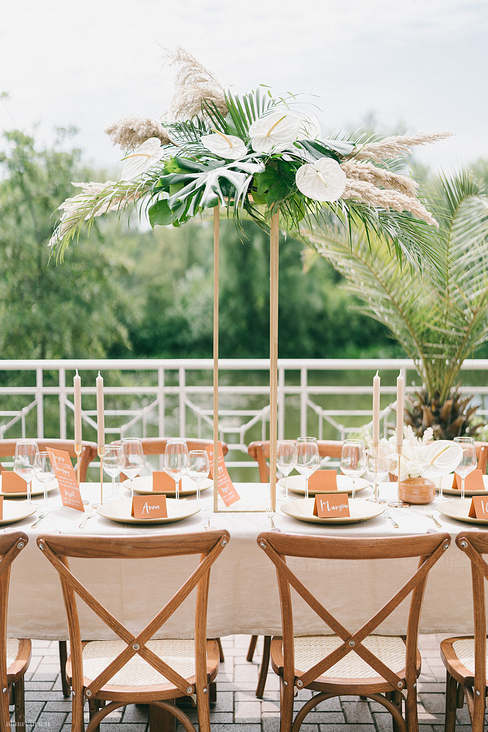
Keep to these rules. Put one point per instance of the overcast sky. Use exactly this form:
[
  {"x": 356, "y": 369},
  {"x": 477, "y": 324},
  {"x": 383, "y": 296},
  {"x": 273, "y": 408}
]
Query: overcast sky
[{"x": 88, "y": 62}]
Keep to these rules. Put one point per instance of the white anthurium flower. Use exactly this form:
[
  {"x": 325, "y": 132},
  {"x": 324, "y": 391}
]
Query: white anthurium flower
[
  {"x": 229, "y": 147},
  {"x": 274, "y": 132},
  {"x": 323, "y": 180},
  {"x": 142, "y": 158},
  {"x": 310, "y": 128}
]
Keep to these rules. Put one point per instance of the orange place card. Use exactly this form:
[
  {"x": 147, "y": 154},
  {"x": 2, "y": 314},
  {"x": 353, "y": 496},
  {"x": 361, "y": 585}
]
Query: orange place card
[
  {"x": 479, "y": 507},
  {"x": 331, "y": 505},
  {"x": 162, "y": 482},
  {"x": 148, "y": 507},
  {"x": 1, "y": 508},
  {"x": 13, "y": 483},
  {"x": 472, "y": 482},
  {"x": 65, "y": 475},
  {"x": 225, "y": 487},
  {"x": 323, "y": 480}
]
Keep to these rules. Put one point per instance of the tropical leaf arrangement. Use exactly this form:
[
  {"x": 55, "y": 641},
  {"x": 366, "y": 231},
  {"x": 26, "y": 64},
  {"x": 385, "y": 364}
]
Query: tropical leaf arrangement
[{"x": 252, "y": 155}]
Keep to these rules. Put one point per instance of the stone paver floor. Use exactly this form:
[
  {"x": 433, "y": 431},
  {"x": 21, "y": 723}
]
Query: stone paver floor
[{"x": 237, "y": 708}]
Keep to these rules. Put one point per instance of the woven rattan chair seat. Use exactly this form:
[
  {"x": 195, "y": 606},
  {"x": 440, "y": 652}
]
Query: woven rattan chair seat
[
  {"x": 464, "y": 650},
  {"x": 12, "y": 650},
  {"x": 179, "y": 654},
  {"x": 309, "y": 650}
]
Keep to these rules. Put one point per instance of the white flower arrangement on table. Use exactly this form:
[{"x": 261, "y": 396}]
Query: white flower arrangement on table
[{"x": 252, "y": 154}]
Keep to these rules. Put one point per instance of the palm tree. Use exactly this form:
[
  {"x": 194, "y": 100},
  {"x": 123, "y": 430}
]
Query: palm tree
[{"x": 439, "y": 316}]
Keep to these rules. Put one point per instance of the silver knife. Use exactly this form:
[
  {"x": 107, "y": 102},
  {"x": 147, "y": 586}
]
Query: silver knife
[
  {"x": 387, "y": 515},
  {"x": 39, "y": 518}
]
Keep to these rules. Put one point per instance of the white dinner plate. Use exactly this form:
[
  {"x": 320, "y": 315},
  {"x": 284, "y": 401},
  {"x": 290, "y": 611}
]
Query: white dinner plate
[
  {"x": 296, "y": 483},
  {"x": 37, "y": 489},
  {"x": 119, "y": 511},
  {"x": 16, "y": 511},
  {"x": 458, "y": 508},
  {"x": 188, "y": 487},
  {"x": 360, "y": 510},
  {"x": 447, "y": 481}
]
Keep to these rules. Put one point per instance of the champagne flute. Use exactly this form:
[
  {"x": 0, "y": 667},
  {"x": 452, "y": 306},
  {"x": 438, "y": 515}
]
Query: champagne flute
[
  {"x": 353, "y": 461},
  {"x": 133, "y": 459},
  {"x": 25, "y": 453},
  {"x": 176, "y": 460},
  {"x": 286, "y": 459},
  {"x": 307, "y": 458},
  {"x": 378, "y": 467},
  {"x": 468, "y": 461},
  {"x": 44, "y": 473},
  {"x": 198, "y": 468},
  {"x": 113, "y": 463}
]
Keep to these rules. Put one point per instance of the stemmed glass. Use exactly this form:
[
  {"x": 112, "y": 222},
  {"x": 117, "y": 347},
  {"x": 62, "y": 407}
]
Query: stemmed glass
[
  {"x": 307, "y": 458},
  {"x": 133, "y": 459},
  {"x": 378, "y": 468},
  {"x": 353, "y": 461},
  {"x": 468, "y": 461},
  {"x": 198, "y": 468},
  {"x": 25, "y": 453},
  {"x": 176, "y": 461},
  {"x": 44, "y": 473},
  {"x": 286, "y": 459},
  {"x": 113, "y": 463}
]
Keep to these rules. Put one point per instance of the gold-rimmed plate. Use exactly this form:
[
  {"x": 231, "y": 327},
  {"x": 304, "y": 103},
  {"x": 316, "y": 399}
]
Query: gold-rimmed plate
[
  {"x": 296, "y": 483},
  {"x": 119, "y": 511},
  {"x": 360, "y": 510},
  {"x": 16, "y": 511},
  {"x": 143, "y": 486},
  {"x": 37, "y": 489},
  {"x": 458, "y": 508},
  {"x": 448, "y": 490}
]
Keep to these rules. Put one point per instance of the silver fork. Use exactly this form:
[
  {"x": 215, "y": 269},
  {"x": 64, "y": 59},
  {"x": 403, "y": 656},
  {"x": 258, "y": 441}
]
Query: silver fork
[
  {"x": 437, "y": 523},
  {"x": 39, "y": 518},
  {"x": 90, "y": 513},
  {"x": 388, "y": 516}
]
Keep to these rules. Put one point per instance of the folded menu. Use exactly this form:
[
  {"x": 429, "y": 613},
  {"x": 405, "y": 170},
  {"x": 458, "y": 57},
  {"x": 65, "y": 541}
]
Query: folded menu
[
  {"x": 323, "y": 480},
  {"x": 472, "y": 482},
  {"x": 162, "y": 482},
  {"x": 13, "y": 483}
]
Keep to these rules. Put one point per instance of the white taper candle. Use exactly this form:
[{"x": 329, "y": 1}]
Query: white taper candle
[
  {"x": 376, "y": 409},
  {"x": 77, "y": 401},
  {"x": 400, "y": 405},
  {"x": 100, "y": 412}
]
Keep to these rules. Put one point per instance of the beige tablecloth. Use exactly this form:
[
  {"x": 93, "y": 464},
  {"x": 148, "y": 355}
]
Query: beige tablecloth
[{"x": 243, "y": 594}]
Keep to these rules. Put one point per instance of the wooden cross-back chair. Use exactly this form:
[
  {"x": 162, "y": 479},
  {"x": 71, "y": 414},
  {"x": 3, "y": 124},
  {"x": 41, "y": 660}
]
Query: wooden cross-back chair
[
  {"x": 112, "y": 670},
  {"x": 465, "y": 656},
  {"x": 88, "y": 451},
  {"x": 384, "y": 668},
  {"x": 15, "y": 654}
]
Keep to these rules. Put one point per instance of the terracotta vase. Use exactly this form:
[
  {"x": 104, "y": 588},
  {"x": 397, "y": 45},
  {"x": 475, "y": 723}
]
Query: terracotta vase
[{"x": 417, "y": 490}]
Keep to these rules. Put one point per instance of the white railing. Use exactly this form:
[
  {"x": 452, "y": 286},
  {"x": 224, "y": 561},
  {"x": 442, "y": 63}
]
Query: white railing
[{"x": 170, "y": 397}]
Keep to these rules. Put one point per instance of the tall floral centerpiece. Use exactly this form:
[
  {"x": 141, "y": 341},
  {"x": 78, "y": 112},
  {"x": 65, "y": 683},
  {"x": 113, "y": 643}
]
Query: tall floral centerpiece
[{"x": 258, "y": 156}]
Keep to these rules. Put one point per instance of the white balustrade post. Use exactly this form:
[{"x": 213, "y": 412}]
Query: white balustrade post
[
  {"x": 40, "y": 403},
  {"x": 62, "y": 403},
  {"x": 182, "y": 401},
  {"x": 303, "y": 402},
  {"x": 281, "y": 403}
]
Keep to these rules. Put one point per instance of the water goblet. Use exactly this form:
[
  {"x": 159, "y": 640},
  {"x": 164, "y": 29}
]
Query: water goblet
[
  {"x": 307, "y": 458},
  {"x": 198, "y": 468},
  {"x": 25, "y": 453},
  {"x": 468, "y": 461},
  {"x": 176, "y": 460},
  {"x": 133, "y": 460},
  {"x": 378, "y": 468},
  {"x": 113, "y": 463},
  {"x": 44, "y": 473},
  {"x": 353, "y": 461},
  {"x": 286, "y": 459}
]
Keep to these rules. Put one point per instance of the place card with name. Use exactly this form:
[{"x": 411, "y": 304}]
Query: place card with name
[
  {"x": 472, "y": 482},
  {"x": 13, "y": 483},
  {"x": 1, "y": 508},
  {"x": 225, "y": 486},
  {"x": 479, "y": 507},
  {"x": 331, "y": 506},
  {"x": 163, "y": 482},
  {"x": 65, "y": 475},
  {"x": 148, "y": 507},
  {"x": 323, "y": 480}
]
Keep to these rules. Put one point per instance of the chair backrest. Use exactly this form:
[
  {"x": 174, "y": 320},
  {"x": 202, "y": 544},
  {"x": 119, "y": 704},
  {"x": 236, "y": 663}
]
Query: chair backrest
[
  {"x": 208, "y": 545},
  {"x": 260, "y": 452},
  {"x": 88, "y": 451},
  {"x": 11, "y": 545},
  {"x": 157, "y": 445},
  {"x": 428, "y": 548}
]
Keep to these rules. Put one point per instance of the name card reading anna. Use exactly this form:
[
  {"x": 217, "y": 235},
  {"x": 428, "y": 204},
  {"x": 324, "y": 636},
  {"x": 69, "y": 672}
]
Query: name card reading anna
[
  {"x": 331, "y": 505},
  {"x": 479, "y": 507},
  {"x": 225, "y": 487},
  {"x": 1, "y": 508},
  {"x": 323, "y": 480},
  {"x": 13, "y": 483},
  {"x": 65, "y": 475},
  {"x": 472, "y": 482},
  {"x": 147, "y": 507},
  {"x": 162, "y": 482}
]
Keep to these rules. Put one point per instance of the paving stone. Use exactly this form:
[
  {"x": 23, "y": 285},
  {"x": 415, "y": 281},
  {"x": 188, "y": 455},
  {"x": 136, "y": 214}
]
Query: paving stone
[
  {"x": 434, "y": 703},
  {"x": 50, "y": 722},
  {"x": 247, "y": 710},
  {"x": 357, "y": 712}
]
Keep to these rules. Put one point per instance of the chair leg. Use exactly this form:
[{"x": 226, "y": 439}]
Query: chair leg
[
  {"x": 252, "y": 648},
  {"x": 478, "y": 719},
  {"x": 286, "y": 706},
  {"x": 451, "y": 703},
  {"x": 263, "y": 671},
  {"x": 203, "y": 710},
  {"x": 93, "y": 707},
  {"x": 160, "y": 720},
  {"x": 77, "y": 721},
  {"x": 221, "y": 650},
  {"x": 411, "y": 714},
  {"x": 396, "y": 698},
  {"x": 19, "y": 701},
  {"x": 63, "y": 657}
]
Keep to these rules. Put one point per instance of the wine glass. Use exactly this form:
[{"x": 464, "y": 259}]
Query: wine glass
[
  {"x": 44, "y": 473},
  {"x": 378, "y": 468},
  {"x": 307, "y": 458},
  {"x": 468, "y": 461},
  {"x": 286, "y": 459},
  {"x": 353, "y": 461},
  {"x": 25, "y": 454},
  {"x": 176, "y": 461},
  {"x": 133, "y": 459},
  {"x": 113, "y": 463},
  {"x": 198, "y": 468}
]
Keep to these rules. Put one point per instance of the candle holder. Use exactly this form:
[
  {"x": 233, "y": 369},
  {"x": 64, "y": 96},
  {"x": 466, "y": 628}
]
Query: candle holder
[
  {"x": 78, "y": 451},
  {"x": 101, "y": 453},
  {"x": 398, "y": 503}
]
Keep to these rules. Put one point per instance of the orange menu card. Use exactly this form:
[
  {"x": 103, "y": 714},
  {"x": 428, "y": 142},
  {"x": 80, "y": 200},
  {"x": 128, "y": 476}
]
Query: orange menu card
[
  {"x": 331, "y": 505},
  {"x": 323, "y": 480},
  {"x": 65, "y": 475},
  {"x": 472, "y": 482},
  {"x": 1, "y": 508},
  {"x": 147, "y": 507},
  {"x": 13, "y": 483},
  {"x": 225, "y": 487},
  {"x": 479, "y": 507},
  {"x": 162, "y": 482}
]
